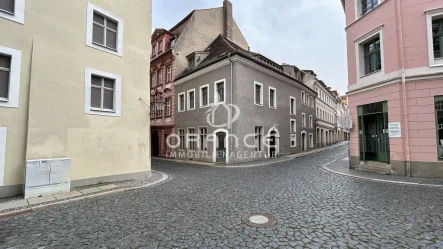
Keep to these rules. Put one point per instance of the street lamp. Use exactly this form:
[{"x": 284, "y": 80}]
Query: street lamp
[{"x": 152, "y": 110}]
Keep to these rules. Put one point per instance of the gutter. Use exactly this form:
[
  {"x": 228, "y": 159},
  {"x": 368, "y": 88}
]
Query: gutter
[
  {"x": 403, "y": 86},
  {"x": 230, "y": 107}
]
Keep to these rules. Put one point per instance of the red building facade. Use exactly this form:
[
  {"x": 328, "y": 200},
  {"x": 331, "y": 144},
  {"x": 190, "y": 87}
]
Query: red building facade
[{"x": 162, "y": 91}]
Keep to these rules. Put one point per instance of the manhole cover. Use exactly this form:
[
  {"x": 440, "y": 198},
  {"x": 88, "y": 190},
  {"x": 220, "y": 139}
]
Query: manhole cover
[{"x": 259, "y": 220}]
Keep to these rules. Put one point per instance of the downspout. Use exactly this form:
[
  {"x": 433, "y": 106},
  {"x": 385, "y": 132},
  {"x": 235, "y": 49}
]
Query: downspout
[
  {"x": 403, "y": 86},
  {"x": 230, "y": 107}
]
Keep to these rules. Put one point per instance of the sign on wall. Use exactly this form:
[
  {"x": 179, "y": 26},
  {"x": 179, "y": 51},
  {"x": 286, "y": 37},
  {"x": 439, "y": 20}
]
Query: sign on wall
[{"x": 394, "y": 129}]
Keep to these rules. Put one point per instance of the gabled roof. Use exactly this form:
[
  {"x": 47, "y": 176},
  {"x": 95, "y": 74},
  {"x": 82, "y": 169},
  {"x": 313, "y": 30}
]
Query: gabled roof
[
  {"x": 181, "y": 22},
  {"x": 159, "y": 32}
]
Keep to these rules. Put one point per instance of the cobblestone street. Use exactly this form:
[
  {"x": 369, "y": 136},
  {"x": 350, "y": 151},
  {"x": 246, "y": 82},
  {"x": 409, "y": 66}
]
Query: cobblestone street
[{"x": 203, "y": 207}]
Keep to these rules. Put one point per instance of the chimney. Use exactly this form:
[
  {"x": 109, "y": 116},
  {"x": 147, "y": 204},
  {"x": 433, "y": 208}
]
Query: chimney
[{"x": 228, "y": 20}]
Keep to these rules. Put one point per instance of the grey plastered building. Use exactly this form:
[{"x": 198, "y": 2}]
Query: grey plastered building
[{"x": 267, "y": 115}]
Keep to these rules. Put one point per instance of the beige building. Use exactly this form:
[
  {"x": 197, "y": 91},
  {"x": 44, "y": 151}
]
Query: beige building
[{"x": 71, "y": 77}]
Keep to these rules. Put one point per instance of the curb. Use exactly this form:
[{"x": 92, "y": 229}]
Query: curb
[
  {"x": 51, "y": 205},
  {"x": 375, "y": 179}
]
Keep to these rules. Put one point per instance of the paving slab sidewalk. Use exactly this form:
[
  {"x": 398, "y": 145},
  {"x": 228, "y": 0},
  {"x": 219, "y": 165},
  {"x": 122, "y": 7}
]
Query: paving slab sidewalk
[{"x": 341, "y": 166}]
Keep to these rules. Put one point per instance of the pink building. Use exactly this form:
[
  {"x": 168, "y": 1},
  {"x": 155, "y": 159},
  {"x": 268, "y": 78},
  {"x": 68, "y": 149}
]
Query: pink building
[{"x": 395, "y": 69}]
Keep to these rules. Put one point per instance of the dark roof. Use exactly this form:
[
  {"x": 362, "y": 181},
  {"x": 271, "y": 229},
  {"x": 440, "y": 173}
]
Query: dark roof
[{"x": 222, "y": 47}]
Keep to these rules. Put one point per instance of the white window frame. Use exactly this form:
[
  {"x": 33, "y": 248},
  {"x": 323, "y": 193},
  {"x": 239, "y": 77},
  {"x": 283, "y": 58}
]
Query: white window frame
[
  {"x": 168, "y": 109},
  {"x": 116, "y": 112},
  {"x": 302, "y": 97},
  {"x": 188, "y": 139},
  {"x": 311, "y": 121},
  {"x": 89, "y": 28},
  {"x": 292, "y": 128},
  {"x": 3, "y": 135},
  {"x": 312, "y": 102},
  {"x": 216, "y": 100},
  {"x": 179, "y": 107},
  {"x": 303, "y": 120},
  {"x": 201, "y": 96},
  {"x": 168, "y": 73},
  {"x": 275, "y": 98},
  {"x": 360, "y": 54},
  {"x": 308, "y": 100},
  {"x": 293, "y": 106},
  {"x": 293, "y": 139},
  {"x": 311, "y": 140},
  {"x": 14, "y": 77},
  {"x": 182, "y": 143},
  {"x": 19, "y": 12},
  {"x": 358, "y": 9},
  {"x": 205, "y": 141},
  {"x": 261, "y": 93},
  {"x": 430, "y": 15},
  {"x": 188, "y": 99}
]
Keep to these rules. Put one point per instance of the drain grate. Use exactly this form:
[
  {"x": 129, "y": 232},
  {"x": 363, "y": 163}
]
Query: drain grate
[{"x": 259, "y": 220}]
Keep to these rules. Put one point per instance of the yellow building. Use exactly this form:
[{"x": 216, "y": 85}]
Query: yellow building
[{"x": 71, "y": 76}]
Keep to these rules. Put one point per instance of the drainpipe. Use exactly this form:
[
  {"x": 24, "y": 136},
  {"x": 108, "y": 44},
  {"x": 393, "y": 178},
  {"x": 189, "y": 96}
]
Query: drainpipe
[
  {"x": 230, "y": 107},
  {"x": 403, "y": 86}
]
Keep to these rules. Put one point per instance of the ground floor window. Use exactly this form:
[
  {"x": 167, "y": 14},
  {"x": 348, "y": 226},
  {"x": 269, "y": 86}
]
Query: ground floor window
[
  {"x": 258, "y": 138},
  {"x": 311, "y": 140},
  {"x": 181, "y": 134},
  {"x": 192, "y": 139},
  {"x": 203, "y": 138},
  {"x": 439, "y": 125},
  {"x": 293, "y": 140}
]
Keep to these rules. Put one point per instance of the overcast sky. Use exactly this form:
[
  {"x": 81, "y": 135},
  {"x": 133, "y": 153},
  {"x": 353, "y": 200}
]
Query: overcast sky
[{"x": 306, "y": 33}]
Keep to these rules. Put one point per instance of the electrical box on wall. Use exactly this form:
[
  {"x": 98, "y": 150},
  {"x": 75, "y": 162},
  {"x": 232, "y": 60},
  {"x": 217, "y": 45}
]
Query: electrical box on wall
[{"x": 47, "y": 176}]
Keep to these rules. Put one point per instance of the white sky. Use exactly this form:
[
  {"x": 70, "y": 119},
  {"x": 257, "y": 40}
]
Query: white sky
[{"x": 307, "y": 33}]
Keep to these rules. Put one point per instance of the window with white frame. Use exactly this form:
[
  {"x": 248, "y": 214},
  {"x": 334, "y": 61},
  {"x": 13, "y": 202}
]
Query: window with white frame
[
  {"x": 219, "y": 92},
  {"x": 370, "y": 53},
  {"x": 160, "y": 46},
  {"x": 292, "y": 106},
  {"x": 168, "y": 73},
  {"x": 311, "y": 122},
  {"x": 192, "y": 139},
  {"x": 191, "y": 99},
  {"x": 168, "y": 106},
  {"x": 293, "y": 140},
  {"x": 10, "y": 66},
  {"x": 13, "y": 10},
  {"x": 272, "y": 97},
  {"x": 181, "y": 102},
  {"x": 258, "y": 138},
  {"x": 103, "y": 93},
  {"x": 181, "y": 135},
  {"x": 154, "y": 50},
  {"x": 104, "y": 30},
  {"x": 258, "y": 93},
  {"x": 312, "y": 102},
  {"x": 152, "y": 79},
  {"x": 308, "y": 99},
  {"x": 311, "y": 140},
  {"x": 435, "y": 37},
  {"x": 203, "y": 131},
  {"x": 303, "y": 97},
  {"x": 293, "y": 126},
  {"x": 303, "y": 120},
  {"x": 204, "y": 96},
  {"x": 159, "y": 77}
]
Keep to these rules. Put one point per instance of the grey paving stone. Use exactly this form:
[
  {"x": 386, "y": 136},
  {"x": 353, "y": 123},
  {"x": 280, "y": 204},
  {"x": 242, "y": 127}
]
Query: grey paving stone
[
  {"x": 107, "y": 187},
  {"x": 38, "y": 200},
  {"x": 89, "y": 190},
  {"x": 13, "y": 204},
  {"x": 67, "y": 195}
]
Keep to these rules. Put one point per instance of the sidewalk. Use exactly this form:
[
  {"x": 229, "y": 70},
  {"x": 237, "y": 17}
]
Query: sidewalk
[
  {"x": 261, "y": 162},
  {"x": 341, "y": 167},
  {"x": 18, "y": 205}
]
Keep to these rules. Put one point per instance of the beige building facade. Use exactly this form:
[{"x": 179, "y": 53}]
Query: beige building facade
[{"x": 72, "y": 77}]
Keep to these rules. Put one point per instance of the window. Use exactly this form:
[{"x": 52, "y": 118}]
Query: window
[
  {"x": 368, "y": 5},
  {"x": 302, "y": 97},
  {"x": 219, "y": 95},
  {"x": 372, "y": 56},
  {"x": 437, "y": 37},
  {"x": 152, "y": 114},
  {"x": 204, "y": 96},
  {"x": 181, "y": 102},
  {"x": 168, "y": 73},
  {"x": 191, "y": 99},
  {"x": 168, "y": 106},
  {"x": 191, "y": 63},
  {"x": 158, "y": 107},
  {"x": 104, "y": 31},
  {"x": 311, "y": 140},
  {"x": 181, "y": 134},
  {"x": 153, "y": 79},
  {"x": 292, "y": 106},
  {"x": 5, "y": 71},
  {"x": 13, "y": 10},
  {"x": 293, "y": 140},
  {"x": 159, "y": 77},
  {"x": 311, "y": 122},
  {"x": 272, "y": 98},
  {"x": 203, "y": 139},
  {"x": 258, "y": 93},
  {"x": 434, "y": 21},
  {"x": 312, "y": 102},
  {"x": 308, "y": 99},
  {"x": 160, "y": 46},
  {"x": 303, "y": 120},
  {"x": 439, "y": 125},
  {"x": 258, "y": 138},
  {"x": 192, "y": 139},
  {"x": 103, "y": 93},
  {"x": 293, "y": 126},
  {"x": 154, "y": 50}
]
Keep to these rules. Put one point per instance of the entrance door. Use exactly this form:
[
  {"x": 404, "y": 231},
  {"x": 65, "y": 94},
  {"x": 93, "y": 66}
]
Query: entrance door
[
  {"x": 303, "y": 141},
  {"x": 376, "y": 140},
  {"x": 154, "y": 144},
  {"x": 272, "y": 144},
  {"x": 221, "y": 147},
  {"x": 383, "y": 141}
]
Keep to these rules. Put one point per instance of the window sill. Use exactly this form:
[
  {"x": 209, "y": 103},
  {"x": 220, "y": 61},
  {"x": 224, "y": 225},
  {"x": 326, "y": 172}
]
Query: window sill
[
  {"x": 219, "y": 103},
  {"x": 204, "y": 106},
  {"x": 106, "y": 49},
  {"x": 102, "y": 110},
  {"x": 191, "y": 109},
  {"x": 181, "y": 111},
  {"x": 258, "y": 104},
  {"x": 369, "y": 74},
  {"x": 275, "y": 108},
  {"x": 438, "y": 62},
  {"x": 4, "y": 100}
]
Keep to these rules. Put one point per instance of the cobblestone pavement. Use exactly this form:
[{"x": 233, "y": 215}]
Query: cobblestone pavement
[{"x": 203, "y": 207}]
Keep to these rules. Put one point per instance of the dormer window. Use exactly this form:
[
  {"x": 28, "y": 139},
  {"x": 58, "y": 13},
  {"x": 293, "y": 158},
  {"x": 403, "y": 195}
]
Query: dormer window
[
  {"x": 191, "y": 63},
  {"x": 160, "y": 46}
]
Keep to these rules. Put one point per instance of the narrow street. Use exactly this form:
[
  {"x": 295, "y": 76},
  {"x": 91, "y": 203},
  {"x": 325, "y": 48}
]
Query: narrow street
[{"x": 203, "y": 206}]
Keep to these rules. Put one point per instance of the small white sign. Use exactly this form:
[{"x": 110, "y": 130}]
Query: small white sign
[{"x": 395, "y": 129}]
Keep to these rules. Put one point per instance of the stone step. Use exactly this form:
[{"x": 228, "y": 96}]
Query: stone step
[{"x": 381, "y": 168}]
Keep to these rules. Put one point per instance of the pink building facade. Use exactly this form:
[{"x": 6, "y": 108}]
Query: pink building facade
[{"x": 395, "y": 90}]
